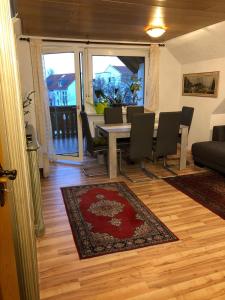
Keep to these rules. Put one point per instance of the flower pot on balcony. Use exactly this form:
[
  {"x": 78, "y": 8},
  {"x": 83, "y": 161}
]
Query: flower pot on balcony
[{"x": 99, "y": 108}]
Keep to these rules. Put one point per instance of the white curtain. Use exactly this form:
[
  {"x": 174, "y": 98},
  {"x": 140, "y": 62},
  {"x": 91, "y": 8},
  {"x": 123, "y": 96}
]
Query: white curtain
[
  {"x": 152, "y": 101},
  {"x": 43, "y": 121}
]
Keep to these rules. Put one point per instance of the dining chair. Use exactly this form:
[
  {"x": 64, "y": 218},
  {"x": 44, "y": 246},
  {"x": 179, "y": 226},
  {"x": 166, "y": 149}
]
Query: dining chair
[
  {"x": 131, "y": 110},
  {"x": 94, "y": 146},
  {"x": 186, "y": 118},
  {"x": 141, "y": 140},
  {"x": 167, "y": 137},
  {"x": 113, "y": 115}
]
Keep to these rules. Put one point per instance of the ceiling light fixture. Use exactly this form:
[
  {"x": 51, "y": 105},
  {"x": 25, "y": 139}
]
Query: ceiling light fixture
[{"x": 155, "y": 31}]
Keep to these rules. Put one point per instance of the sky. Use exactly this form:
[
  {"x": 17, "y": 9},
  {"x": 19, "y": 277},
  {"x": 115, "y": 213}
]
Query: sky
[
  {"x": 100, "y": 63},
  {"x": 63, "y": 63}
]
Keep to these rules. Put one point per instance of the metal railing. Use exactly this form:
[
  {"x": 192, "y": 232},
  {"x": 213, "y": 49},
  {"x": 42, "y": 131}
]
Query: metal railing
[{"x": 64, "y": 121}]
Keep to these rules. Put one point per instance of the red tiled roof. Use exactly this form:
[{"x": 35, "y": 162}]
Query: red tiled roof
[{"x": 59, "y": 81}]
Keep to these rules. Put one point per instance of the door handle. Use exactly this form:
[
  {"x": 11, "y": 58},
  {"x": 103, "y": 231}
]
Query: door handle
[
  {"x": 2, "y": 196},
  {"x": 4, "y": 175},
  {"x": 10, "y": 174}
]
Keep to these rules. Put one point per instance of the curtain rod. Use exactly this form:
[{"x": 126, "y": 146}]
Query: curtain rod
[{"x": 95, "y": 43}]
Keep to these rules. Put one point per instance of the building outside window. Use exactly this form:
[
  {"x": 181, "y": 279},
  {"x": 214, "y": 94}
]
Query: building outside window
[{"x": 121, "y": 81}]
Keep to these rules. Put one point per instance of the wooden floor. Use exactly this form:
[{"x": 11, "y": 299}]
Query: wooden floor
[{"x": 191, "y": 268}]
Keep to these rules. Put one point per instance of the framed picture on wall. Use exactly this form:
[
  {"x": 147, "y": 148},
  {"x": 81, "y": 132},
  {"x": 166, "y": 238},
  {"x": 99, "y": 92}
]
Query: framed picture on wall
[{"x": 201, "y": 84}]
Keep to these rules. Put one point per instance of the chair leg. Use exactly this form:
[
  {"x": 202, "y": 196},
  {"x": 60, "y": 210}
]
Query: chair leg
[
  {"x": 127, "y": 176},
  {"x": 167, "y": 167},
  {"x": 121, "y": 169},
  {"x": 147, "y": 172},
  {"x": 87, "y": 171},
  {"x": 120, "y": 161},
  {"x": 87, "y": 174}
]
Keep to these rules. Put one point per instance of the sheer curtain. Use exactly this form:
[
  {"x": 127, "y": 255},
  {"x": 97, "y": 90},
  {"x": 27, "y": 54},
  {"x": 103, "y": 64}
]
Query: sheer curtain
[
  {"x": 152, "y": 101},
  {"x": 43, "y": 121}
]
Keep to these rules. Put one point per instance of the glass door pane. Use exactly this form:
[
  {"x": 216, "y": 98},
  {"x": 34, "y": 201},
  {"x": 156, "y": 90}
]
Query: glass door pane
[{"x": 64, "y": 101}]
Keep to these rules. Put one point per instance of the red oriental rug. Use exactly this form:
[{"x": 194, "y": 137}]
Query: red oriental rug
[
  {"x": 207, "y": 188},
  {"x": 107, "y": 218}
]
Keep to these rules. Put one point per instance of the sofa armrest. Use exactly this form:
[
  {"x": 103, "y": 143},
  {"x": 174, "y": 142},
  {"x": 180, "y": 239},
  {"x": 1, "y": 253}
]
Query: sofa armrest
[{"x": 219, "y": 133}]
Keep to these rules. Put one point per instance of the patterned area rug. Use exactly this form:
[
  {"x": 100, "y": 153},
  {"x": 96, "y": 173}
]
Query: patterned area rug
[
  {"x": 107, "y": 218},
  {"x": 207, "y": 188}
]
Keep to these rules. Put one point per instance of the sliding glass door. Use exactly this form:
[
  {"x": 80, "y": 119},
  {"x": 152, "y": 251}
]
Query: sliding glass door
[{"x": 62, "y": 75}]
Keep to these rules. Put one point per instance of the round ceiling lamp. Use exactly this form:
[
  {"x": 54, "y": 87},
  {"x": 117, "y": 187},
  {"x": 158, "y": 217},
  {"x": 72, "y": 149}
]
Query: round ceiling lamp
[{"x": 155, "y": 31}]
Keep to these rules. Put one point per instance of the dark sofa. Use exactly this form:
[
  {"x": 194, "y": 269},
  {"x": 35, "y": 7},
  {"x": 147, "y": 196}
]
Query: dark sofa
[{"x": 212, "y": 153}]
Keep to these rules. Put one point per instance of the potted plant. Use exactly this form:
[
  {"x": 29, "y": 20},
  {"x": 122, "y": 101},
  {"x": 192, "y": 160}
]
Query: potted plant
[
  {"x": 27, "y": 102},
  {"x": 100, "y": 102}
]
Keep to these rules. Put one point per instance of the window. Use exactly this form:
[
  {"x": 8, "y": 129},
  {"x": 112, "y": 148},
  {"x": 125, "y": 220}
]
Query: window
[
  {"x": 118, "y": 79},
  {"x": 117, "y": 76}
]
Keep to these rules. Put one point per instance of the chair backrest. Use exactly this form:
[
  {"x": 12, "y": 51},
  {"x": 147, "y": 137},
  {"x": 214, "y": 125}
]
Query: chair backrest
[
  {"x": 186, "y": 116},
  {"x": 167, "y": 133},
  {"x": 86, "y": 132},
  {"x": 131, "y": 110},
  {"x": 141, "y": 136},
  {"x": 113, "y": 115},
  {"x": 219, "y": 133}
]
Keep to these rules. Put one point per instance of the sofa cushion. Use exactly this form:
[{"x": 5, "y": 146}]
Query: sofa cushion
[
  {"x": 219, "y": 133},
  {"x": 209, "y": 152}
]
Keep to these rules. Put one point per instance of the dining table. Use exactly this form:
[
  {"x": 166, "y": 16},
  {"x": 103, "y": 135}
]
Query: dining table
[{"x": 119, "y": 131}]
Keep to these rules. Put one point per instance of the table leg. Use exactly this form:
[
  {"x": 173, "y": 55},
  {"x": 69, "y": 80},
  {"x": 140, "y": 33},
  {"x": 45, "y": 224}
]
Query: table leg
[
  {"x": 183, "y": 148},
  {"x": 112, "y": 156}
]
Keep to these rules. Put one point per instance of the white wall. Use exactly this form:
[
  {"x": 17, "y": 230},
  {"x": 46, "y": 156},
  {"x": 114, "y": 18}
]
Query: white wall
[
  {"x": 25, "y": 69},
  {"x": 169, "y": 81},
  {"x": 203, "y": 44},
  {"x": 205, "y": 107}
]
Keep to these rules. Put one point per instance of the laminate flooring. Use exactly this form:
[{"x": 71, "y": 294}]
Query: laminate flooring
[{"x": 191, "y": 268}]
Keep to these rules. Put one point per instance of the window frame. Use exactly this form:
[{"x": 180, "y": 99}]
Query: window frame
[
  {"x": 118, "y": 51},
  {"x": 59, "y": 48}
]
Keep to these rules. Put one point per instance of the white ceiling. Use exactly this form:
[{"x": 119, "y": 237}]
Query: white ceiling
[{"x": 204, "y": 44}]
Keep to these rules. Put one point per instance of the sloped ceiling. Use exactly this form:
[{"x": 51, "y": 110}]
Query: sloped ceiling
[
  {"x": 116, "y": 19},
  {"x": 204, "y": 44}
]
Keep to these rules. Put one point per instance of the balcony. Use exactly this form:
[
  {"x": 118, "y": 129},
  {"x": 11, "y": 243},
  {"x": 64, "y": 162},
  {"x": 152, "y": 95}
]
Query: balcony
[{"x": 64, "y": 129}]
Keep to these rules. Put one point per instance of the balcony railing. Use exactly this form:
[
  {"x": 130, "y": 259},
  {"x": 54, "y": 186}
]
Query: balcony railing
[{"x": 64, "y": 121}]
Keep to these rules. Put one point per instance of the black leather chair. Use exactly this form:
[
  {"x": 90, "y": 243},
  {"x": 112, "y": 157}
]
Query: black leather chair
[
  {"x": 141, "y": 140},
  {"x": 131, "y": 110},
  {"x": 186, "y": 116},
  {"x": 167, "y": 136},
  {"x": 186, "y": 119},
  {"x": 113, "y": 115},
  {"x": 93, "y": 145}
]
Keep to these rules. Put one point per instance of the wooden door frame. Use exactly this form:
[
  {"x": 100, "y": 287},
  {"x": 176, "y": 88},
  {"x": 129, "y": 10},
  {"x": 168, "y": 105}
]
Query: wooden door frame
[{"x": 12, "y": 135}]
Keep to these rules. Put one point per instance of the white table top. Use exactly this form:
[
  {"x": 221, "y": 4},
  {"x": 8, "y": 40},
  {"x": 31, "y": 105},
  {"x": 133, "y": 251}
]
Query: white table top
[
  {"x": 123, "y": 127},
  {"x": 115, "y": 127}
]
